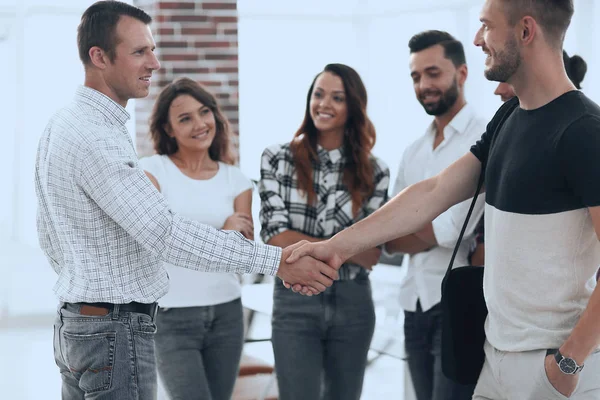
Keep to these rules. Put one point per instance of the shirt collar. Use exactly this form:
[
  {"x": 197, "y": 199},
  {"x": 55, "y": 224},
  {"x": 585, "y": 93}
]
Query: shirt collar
[
  {"x": 458, "y": 124},
  {"x": 115, "y": 113},
  {"x": 334, "y": 155}
]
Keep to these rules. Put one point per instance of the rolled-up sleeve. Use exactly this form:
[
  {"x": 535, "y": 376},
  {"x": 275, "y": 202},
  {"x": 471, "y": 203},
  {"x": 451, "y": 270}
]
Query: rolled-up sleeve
[
  {"x": 447, "y": 226},
  {"x": 274, "y": 215},
  {"x": 110, "y": 176},
  {"x": 382, "y": 183}
]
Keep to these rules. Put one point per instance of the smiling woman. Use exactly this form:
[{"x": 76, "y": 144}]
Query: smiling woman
[{"x": 194, "y": 170}]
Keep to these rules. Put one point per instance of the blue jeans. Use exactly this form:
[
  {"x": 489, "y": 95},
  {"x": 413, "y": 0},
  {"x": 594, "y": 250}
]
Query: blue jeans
[
  {"x": 321, "y": 342},
  {"x": 198, "y": 350},
  {"x": 107, "y": 357},
  {"x": 423, "y": 342}
]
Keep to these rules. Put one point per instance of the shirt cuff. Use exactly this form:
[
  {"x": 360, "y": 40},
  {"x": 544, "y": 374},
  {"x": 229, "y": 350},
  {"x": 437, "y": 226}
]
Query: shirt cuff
[
  {"x": 444, "y": 231},
  {"x": 266, "y": 260}
]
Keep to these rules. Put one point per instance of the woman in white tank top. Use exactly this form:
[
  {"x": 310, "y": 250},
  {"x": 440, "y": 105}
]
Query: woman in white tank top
[{"x": 200, "y": 325}]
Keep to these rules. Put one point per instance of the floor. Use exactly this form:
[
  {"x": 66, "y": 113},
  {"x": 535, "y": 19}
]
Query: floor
[{"x": 28, "y": 371}]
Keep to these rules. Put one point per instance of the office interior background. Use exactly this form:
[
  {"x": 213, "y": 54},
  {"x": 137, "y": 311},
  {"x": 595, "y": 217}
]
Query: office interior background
[{"x": 259, "y": 57}]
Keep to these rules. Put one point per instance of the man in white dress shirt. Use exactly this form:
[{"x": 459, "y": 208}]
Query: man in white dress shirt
[{"x": 439, "y": 71}]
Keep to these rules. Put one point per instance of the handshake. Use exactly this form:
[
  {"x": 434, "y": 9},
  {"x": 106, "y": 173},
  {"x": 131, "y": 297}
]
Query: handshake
[{"x": 309, "y": 268}]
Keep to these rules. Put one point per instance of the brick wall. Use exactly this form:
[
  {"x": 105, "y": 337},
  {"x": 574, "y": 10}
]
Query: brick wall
[{"x": 196, "y": 39}]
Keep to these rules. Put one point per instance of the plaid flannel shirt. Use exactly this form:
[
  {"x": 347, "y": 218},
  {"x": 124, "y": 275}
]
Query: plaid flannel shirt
[{"x": 284, "y": 207}]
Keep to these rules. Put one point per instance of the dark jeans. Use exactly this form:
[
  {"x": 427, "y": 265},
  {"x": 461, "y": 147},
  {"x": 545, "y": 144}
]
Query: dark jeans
[
  {"x": 423, "y": 341},
  {"x": 198, "y": 350},
  {"x": 105, "y": 357},
  {"x": 321, "y": 342}
]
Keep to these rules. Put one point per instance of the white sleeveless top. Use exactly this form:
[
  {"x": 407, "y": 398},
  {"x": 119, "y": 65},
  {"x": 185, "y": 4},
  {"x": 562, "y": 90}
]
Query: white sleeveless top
[{"x": 210, "y": 202}]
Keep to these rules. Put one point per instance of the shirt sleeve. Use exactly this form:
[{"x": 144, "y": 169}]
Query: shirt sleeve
[
  {"x": 400, "y": 183},
  {"x": 448, "y": 225},
  {"x": 274, "y": 215},
  {"x": 382, "y": 183},
  {"x": 578, "y": 151},
  {"x": 481, "y": 148},
  {"x": 110, "y": 177},
  {"x": 240, "y": 182}
]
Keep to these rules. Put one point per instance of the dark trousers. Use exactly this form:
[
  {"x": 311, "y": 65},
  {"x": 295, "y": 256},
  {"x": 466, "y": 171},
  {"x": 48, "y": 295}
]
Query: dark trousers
[
  {"x": 198, "y": 350},
  {"x": 321, "y": 342},
  {"x": 423, "y": 341}
]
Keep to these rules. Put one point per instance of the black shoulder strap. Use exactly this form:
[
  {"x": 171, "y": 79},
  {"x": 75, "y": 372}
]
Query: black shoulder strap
[{"x": 479, "y": 186}]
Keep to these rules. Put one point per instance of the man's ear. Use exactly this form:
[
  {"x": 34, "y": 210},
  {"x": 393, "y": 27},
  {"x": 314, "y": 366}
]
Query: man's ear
[
  {"x": 528, "y": 30},
  {"x": 462, "y": 73},
  {"x": 98, "y": 57}
]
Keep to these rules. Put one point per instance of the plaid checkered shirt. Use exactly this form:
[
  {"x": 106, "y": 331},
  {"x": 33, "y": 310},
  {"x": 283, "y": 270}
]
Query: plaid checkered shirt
[
  {"x": 102, "y": 224},
  {"x": 284, "y": 207}
]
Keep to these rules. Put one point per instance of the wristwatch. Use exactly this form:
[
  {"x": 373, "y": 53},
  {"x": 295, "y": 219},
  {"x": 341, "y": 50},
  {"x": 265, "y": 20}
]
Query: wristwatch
[{"x": 565, "y": 364}]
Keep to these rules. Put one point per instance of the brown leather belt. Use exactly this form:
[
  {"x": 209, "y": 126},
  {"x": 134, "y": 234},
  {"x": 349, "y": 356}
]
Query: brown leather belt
[{"x": 101, "y": 309}]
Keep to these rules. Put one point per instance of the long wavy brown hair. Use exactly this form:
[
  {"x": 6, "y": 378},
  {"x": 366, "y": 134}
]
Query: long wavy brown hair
[
  {"x": 219, "y": 150},
  {"x": 359, "y": 139}
]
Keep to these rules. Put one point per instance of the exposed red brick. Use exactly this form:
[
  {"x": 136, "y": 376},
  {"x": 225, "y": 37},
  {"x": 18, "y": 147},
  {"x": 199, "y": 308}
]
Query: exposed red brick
[
  {"x": 219, "y": 19},
  {"x": 198, "y": 31},
  {"x": 226, "y": 70},
  {"x": 212, "y": 44},
  {"x": 166, "y": 31},
  {"x": 188, "y": 18},
  {"x": 210, "y": 83},
  {"x": 175, "y": 5},
  {"x": 179, "y": 57},
  {"x": 221, "y": 57},
  {"x": 194, "y": 42},
  {"x": 181, "y": 70},
  {"x": 229, "y": 107},
  {"x": 167, "y": 44},
  {"x": 219, "y": 6}
]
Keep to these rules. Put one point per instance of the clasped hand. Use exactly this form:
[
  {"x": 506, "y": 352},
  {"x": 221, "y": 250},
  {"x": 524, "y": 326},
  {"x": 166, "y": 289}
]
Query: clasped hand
[{"x": 309, "y": 268}]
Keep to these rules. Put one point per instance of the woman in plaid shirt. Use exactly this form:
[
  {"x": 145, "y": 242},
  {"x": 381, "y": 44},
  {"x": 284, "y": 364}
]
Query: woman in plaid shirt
[{"x": 325, "y": 180}]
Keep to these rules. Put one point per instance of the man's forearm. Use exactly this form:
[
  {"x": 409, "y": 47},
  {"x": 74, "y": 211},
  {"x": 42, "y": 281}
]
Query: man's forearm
[
  {"x": 585, "y": 337},
  {"x": 401, "y": 216},
  {"x": 411, "y": 209},
  {"x": 409, "y": 244},
  {"x": 291, "y": 237}
]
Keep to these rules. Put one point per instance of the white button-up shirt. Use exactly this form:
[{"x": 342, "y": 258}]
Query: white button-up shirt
[
  {"x": 102, "y": 224},
  {"x": 420, "y": 161}
]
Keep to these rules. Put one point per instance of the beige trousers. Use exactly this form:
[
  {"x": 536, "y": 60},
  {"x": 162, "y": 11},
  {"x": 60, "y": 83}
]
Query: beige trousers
[{"x": 521, "y": 376}]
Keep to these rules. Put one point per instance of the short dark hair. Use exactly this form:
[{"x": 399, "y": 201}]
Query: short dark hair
[
  {"x": 576, "y": 68},
  {"x": 99, "y": 24},
  {"x": 453, "y": 49},
  {"x": 554, "y": 16},
  {"x": 164, "y": 144}
]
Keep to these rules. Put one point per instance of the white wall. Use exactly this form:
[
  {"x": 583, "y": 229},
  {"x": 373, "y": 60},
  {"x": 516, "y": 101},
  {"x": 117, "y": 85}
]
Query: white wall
[
  {"x": 41, "y": 71},
  {"x": 283, "y": 45}
]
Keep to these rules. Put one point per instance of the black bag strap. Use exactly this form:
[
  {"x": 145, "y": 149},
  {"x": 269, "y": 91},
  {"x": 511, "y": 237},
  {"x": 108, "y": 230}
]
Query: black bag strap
[
  {"x": 464, "y": 227},
  {"x": 479, "y": 186}
]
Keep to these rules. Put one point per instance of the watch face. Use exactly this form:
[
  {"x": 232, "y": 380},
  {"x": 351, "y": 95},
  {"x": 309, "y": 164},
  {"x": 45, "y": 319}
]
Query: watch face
[{"x": 568, "y": 365}]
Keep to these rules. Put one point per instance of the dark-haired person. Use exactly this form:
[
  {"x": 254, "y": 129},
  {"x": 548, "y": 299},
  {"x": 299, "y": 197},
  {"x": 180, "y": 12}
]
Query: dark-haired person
[
  {"x": 200, "y": 320},
  {"x": 323, "y": 181},
  {"x": 439, "y": 71},
  {"x": 105, "y": 229},
  {"x": 542, "y": 213},
  {"x": 576, "y": 68}
]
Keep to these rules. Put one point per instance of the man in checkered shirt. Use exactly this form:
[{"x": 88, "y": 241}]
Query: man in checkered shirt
[{"x": 105, "y": 229}]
